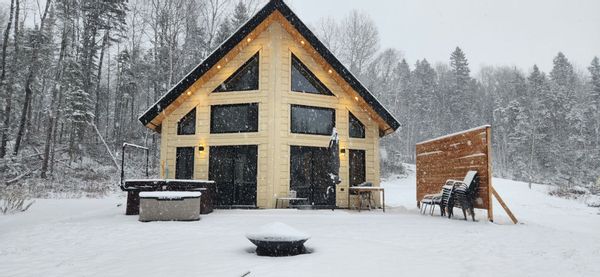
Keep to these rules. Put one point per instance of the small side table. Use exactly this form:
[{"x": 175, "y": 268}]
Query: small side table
[{"x": 368, "y": 191}]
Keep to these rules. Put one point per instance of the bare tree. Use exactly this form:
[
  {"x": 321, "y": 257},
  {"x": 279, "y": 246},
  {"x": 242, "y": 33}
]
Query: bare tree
[
  {"x": 213, "y": 13},
  {"x": 359, "y": 41},
  {"x": 328, "y": 31},
  {"x": 33, "y": 67},
  {"x": 3, "y": 90}
]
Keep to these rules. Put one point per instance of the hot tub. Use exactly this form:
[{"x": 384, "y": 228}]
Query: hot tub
[
  {"x": 134, "y": 187},
  {"x": 169, "y": 206}
]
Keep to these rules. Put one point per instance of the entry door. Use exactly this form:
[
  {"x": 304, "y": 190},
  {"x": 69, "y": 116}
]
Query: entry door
[
  {"x": 309, "y": 175},
  {"x": 233, "y": 168}
]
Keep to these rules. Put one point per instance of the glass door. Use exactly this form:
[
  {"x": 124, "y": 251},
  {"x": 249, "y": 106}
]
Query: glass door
[{"x": 234, "y": 168}]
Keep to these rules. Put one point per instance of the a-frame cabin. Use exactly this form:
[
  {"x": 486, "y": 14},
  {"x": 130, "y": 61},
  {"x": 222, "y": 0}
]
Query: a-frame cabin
[{"x": 257, "y": 114}]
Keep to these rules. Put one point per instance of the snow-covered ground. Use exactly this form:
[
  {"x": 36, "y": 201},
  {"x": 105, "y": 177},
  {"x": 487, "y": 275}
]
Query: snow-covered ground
[{"x": 92, "y": 237}]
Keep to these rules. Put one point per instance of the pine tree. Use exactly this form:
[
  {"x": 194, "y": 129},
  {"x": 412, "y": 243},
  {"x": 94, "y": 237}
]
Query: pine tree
[
  {"x": 594, "y": 113},
  {"x": 566, "y": 120},
  {"x": 423, "y": 85},
  {"x": 79, "y": 106},
  {"x": 240, "y": 15},
  {"x": 224, "y": 31},
  {"x": 537, "y": 87},
  {"x": 459, "y": 116}
]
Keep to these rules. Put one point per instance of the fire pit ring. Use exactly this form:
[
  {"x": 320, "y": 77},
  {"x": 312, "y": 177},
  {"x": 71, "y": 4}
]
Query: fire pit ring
[{"x": 277, "y": 240}]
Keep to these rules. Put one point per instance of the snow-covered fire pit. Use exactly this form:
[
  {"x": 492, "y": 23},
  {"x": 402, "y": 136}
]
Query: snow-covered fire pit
[{"x": 278, "y": 239}]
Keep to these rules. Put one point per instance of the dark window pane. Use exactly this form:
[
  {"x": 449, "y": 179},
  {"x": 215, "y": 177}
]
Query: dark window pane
[
  {"x": 357, "y": 167},
  {"x": 184, "y": 167},
  {"x": 245, "y": 78},
  {"x": 187, "y": 125},
  {"x": 312, "y": 120},
  {"x": 303, "y": 80},
  {"x": 239, "y": 118},
  {"x": 357, "y": 129}
]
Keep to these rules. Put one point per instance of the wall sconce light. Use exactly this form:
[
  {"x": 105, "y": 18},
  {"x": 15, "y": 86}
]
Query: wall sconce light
[
  {"x": 343, "y": 151},
  {"x": 201, "y": 148}
]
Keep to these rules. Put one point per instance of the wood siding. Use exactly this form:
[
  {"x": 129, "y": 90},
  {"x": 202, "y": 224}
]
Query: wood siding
[
  {"x": 451, "y": 157},
  {"x": 275, "y": 98}
]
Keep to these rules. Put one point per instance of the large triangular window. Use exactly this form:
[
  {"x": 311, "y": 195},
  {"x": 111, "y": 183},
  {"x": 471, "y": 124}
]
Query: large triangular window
[
  {"x": 357, "y": 129},
  {"x": 187, "y": 124},
  {"x": 244, "y": 79},
  {"x": 303, "y": 80}
]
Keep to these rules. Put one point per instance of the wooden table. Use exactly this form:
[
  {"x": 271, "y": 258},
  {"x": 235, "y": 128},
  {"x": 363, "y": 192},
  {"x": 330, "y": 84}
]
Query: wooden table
[
  {"x": 367, "y": 191},
  {"x": 288, "y": 199}
]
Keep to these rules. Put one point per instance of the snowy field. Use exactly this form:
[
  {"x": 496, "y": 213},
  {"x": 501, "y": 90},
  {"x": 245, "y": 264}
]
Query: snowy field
[{"x": 92, "y": 237}]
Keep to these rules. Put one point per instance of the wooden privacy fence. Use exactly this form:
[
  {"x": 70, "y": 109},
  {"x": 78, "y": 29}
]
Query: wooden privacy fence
[{"x": 451, "y": 157}]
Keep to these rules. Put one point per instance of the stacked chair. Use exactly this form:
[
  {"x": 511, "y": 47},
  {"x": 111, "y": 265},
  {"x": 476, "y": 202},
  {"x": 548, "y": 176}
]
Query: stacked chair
[{"x": 454, "y": 194}]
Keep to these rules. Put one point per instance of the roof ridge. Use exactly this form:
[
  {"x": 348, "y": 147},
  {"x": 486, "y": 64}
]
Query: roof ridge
[{"x": 233, "y": 40}]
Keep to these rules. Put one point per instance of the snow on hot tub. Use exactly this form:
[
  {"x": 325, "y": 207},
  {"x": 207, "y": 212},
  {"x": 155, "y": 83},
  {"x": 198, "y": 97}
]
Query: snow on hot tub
[{"x": 170, "y": 194}]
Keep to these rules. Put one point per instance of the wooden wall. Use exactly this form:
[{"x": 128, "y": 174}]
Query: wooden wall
[
  {"x": 450, "y": 157},
  {"x": 276, "y": 42}
]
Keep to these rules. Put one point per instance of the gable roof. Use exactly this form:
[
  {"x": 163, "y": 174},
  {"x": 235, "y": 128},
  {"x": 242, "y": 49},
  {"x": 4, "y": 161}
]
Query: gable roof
[{"x": 239, "y": 35}]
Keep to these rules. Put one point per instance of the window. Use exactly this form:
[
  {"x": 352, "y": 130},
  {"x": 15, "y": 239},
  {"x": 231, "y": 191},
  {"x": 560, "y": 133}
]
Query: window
[
  {"x": 305, "y": 81},
  {"x": 245, "y": 78},
  {"x": 312, "y": 120},
  {"x": 238, "y": 118},
  {"x": 357, "y": 167},
  {"x": 187, "y": 124},
  {"x": 357, "y": 129},
  {"x": 184, "y": 163}
]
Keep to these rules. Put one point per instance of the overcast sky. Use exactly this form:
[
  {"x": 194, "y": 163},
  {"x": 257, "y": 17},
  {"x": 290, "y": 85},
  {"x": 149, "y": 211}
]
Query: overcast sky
[{"x": 502, "y": 32}]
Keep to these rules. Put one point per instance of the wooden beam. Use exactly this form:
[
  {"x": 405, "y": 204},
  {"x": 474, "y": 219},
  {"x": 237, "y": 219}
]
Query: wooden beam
[
  {"x": 506, "y": 209},
  {"x": 488, "y": 141}
]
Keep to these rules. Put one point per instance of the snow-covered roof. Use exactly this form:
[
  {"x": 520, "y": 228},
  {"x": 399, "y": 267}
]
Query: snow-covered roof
[{"x": 239, "y": 36}]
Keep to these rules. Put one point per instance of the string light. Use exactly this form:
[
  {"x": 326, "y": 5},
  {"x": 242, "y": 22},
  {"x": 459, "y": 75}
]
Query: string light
[
  {"x": 330, "y": 71},
  {"x": 248, "y": 39},
  {"x": 302, "y": 42},
  {"x": 218, "y": 66}
]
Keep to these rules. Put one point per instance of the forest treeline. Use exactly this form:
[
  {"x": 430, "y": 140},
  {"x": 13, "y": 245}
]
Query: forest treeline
[
  {"x": 73, "y": 71},
  {"x": 545, "y": 126}
]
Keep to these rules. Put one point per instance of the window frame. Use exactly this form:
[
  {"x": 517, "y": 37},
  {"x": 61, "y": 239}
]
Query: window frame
[
  {"x": 310, "y": 73},
  {"x": 238, "y": 70},
  {"x": 333, "y": 119},
  {"x": 180, "y": 128},
  {"x": 351, "y": 116},
  {"x": 253, "y": 130}
]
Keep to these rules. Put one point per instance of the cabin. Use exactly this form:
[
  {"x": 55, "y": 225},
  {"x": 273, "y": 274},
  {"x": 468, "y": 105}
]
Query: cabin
[{"x": 256, "y": 117}]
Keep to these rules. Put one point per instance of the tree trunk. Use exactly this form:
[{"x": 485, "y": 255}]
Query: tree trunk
[
  {"x": 33, "y": 66},
  {"x": 8, "y": 97},
  {"x": 53, "y": 110},
  {"x": 6, "y": 110},
  {"x": 98, "y": 78}
]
